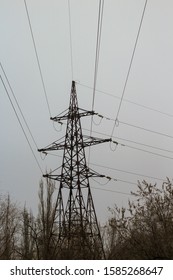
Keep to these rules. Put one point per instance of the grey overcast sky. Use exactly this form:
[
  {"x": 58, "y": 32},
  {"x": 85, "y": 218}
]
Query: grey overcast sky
[{"x": 150, "y": 84}]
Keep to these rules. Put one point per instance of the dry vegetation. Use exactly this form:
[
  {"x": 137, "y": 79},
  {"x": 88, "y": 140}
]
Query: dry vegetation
[{"x": 142, "y": 231}]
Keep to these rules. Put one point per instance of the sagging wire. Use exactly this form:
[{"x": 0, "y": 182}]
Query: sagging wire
[
  {"x": 58, "y": 130},
  {"x": 117, "y": 122},
  {"x": 113, "y": 148},
  {"x": 106, "y": 118},
  {"x": 110, "y": 144},
  {"x": 102, "y": 184},
  {"x": 101, "y": 118},
  {"x": 41, "y": 155}
]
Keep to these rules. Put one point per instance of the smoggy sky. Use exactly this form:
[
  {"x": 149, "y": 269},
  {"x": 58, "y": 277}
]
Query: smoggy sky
[{"x": 150, "y": 85}]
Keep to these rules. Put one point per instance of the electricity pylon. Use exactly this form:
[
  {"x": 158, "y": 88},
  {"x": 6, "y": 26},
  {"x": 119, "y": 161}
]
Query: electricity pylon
[{"x": 78, "y": 231}]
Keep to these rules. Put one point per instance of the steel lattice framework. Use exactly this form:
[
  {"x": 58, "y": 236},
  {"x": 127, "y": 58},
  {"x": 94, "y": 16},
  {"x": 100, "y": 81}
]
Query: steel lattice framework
[{"x": 78, "y": 231}]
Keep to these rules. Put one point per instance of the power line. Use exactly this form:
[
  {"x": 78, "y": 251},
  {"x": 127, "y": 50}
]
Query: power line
[
  {"x": 107, "y": 190},
  {"x": 128, "y": 101},
  {"x": 37, "y": 57},
  {"x": 145, "y": 129},
  {"x": 102, "y": 176},
  {"x": 135, "y": 142},
  {"x": 127, "y": 172},
  {"x": 124, "y": 181},
  {"x": 98, "y": 41},
  {"x": 99, "y": 29},
  {"x": 115, "y": 169},
  {"x": 20, "y": 110},
  {"x": 71, "y": 50},
  {"x": 139, "y": 127},
  {"x": 21, "y": 124},
  {"x": 112, "y": 191},
  {"x": 145, "y": 145},
  {"x": 131, "y": 147},
  {"x": 152, "y": 153},
  {"x": 130, "y": 66},
  {"x": 95, "y": 132}
]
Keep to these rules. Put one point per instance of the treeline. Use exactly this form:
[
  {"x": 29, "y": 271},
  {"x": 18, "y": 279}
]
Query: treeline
[{"x": 142, "y": 231}]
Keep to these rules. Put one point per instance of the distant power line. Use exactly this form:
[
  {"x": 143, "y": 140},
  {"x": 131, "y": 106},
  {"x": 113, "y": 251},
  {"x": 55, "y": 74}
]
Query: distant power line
[
  {"x": 130, "y": 66},
  {"x": 98, "y": 41},
  {"x": 112, "y": 191},
  {"x": 127, "y": 172},
  {"x": 70, "y": 31},
  {"x": 23, "y": 130},
  {"x": 135, "y": 126},
  {"x": 128, "y": 101},
  {"x": 17, "y": 103},
  {"x": 137, "y": 143},
  {"x": 37, "y": 57},
  {"x": 99, "y": 32},
  {"x": 132, "y": 147},
  {"x": 115, "y": 169},
  {"x": 146, "y": 129},
  {"x": 145, "y": 145}
]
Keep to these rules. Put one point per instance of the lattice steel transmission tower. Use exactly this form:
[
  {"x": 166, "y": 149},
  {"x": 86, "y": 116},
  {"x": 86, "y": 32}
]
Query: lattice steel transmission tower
[{"x": 78, "y": 231}]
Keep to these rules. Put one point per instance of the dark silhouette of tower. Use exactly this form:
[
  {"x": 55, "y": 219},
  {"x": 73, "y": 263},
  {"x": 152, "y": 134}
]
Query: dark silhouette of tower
[{"x": 78, "y": 231}]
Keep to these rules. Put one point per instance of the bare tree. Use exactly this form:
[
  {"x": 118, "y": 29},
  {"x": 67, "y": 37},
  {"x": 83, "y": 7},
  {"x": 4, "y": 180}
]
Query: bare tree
[
  {"x": 145, "y": 229},
  {"x": 46, "y": 224},
  {"x": 27, "y": 249},
  {"x": 9, "y": 228}
]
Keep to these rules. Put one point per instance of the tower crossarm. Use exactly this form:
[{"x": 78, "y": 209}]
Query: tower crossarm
[
  {"x": 89, "y": 173},
  {"x": 53, "y": 147},
  {"x": 92, "y": 173},
  {"x": 71, "y": 115},
  {"x": 54, "y": 177},
  {"x": 89, "y": 141}
]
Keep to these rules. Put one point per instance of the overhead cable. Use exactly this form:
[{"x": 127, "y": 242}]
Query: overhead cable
[
  {"x": 70, "y": 31},
  {"x": 115, "y": 169},
  {"x": 145, "y": 145},
  {"x": 127, "y": 172},
  {"x": 37, "y": 57},
  {"x": 128, "y": 101},
  {"x": 136, "y": 143},
  {"x": 98, "y": 41},
  {"x": 99, "y": 32},
  {"x": 112, "y": 191},
  {"x": 132, "y": 147},
  {"x": 130, "y": 66},
  {"x": 145, "y": 129},
  {"x": 21, "y": 124},
  {"x": 17, "y": 103},
  {"x": 135, "y": 126}
]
